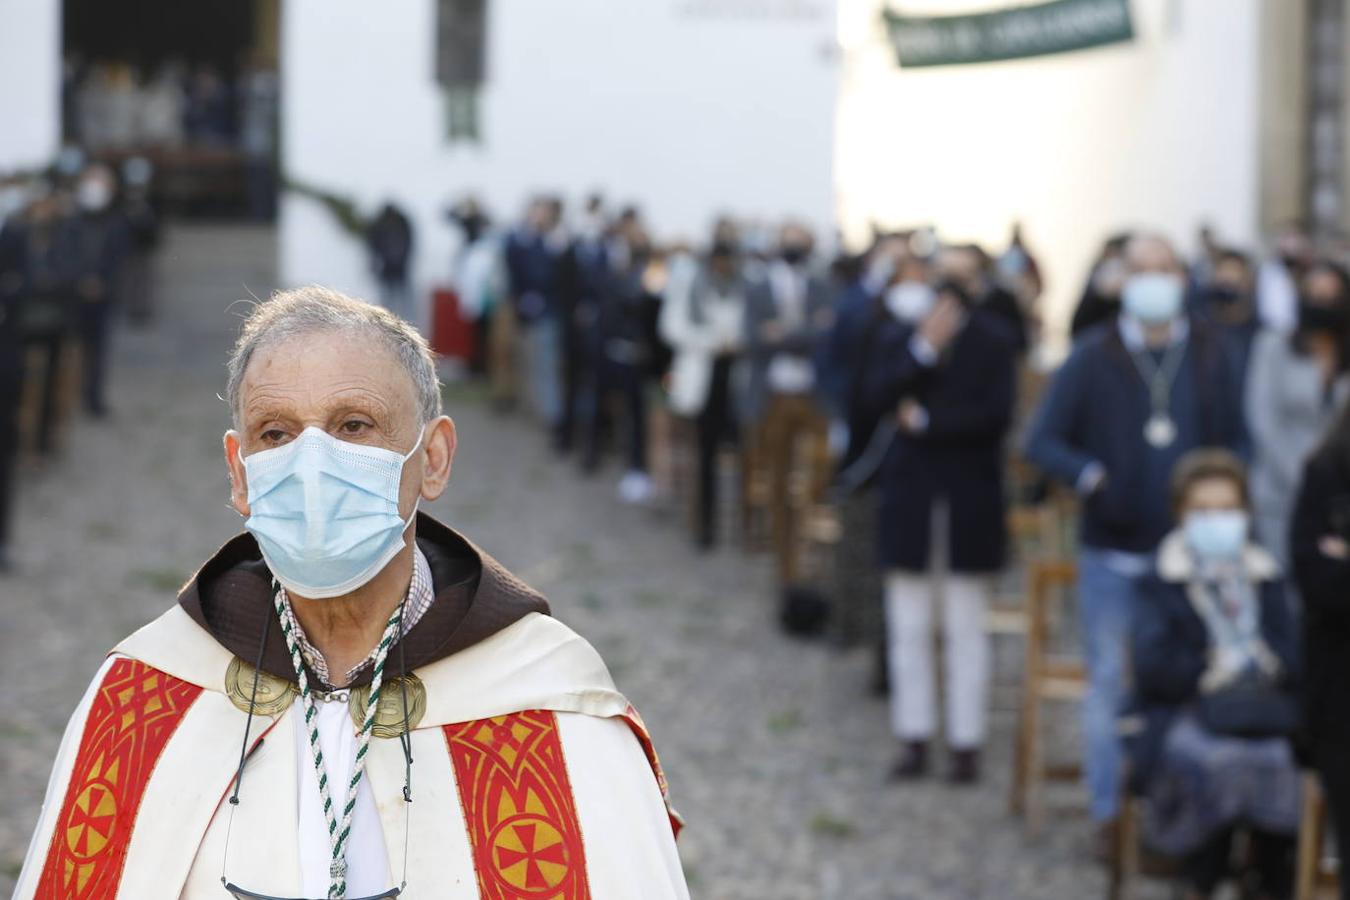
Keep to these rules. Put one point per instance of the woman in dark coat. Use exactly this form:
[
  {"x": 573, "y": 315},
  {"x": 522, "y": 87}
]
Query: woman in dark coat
[
  {"x": 1215, "y": 661},
  {"x": 943, "y": 375},
  {"x": 1320, "y": 548}
]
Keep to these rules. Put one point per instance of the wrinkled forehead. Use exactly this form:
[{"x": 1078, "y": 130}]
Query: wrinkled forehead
[{"x": 311, "y": 375}]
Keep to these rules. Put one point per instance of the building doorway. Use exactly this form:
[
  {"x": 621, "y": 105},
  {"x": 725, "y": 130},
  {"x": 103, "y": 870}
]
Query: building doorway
[{"x": 192, "y": 88}]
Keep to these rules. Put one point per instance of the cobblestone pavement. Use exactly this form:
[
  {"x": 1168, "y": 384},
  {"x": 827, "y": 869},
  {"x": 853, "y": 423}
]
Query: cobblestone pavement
[{"x": 774, "y": 751}]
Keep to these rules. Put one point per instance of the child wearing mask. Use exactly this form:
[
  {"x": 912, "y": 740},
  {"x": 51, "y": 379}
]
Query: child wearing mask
[{"x": 1214, "y": 653}]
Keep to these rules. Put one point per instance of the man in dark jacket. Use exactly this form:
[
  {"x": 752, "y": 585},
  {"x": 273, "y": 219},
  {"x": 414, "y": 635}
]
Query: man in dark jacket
[
  {"x": 1134, "y": 396},
  {"x": 945, "y": 376},
  {"x": 1320, "y": 546}
]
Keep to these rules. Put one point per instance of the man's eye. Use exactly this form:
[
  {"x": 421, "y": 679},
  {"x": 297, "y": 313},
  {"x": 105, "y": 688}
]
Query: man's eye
[
  {"x": 354, "y": 426},
  {"x": 274, "y": 436}
]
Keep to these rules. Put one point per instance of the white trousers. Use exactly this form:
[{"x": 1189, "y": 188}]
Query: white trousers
[{"x": 964, "y": 599}]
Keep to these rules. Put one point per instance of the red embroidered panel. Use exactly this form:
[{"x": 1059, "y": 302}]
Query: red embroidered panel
[
  {"x": 639, "y": 729},
  {"x": 519, "y": 807},
  {"x": 135, "y": 712}
]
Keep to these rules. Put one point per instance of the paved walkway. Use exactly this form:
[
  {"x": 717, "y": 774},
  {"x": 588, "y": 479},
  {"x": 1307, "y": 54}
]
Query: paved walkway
[{"x": 773, "y": 749}]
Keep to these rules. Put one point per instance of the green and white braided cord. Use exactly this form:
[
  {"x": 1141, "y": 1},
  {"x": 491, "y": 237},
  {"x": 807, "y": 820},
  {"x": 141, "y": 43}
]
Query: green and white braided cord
[{"x": 338, "y": 833}]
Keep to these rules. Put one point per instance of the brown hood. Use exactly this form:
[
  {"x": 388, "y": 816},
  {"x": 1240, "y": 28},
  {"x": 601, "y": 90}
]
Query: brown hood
[{"x": 231, "y": 597}]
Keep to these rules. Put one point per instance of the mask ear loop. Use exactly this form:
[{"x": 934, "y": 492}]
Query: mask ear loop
[{"x": 244, "y": 752}]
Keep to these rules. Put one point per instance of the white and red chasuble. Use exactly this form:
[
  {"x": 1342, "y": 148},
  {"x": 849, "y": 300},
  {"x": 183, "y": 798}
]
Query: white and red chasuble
[{"x": 532, "y": 778}]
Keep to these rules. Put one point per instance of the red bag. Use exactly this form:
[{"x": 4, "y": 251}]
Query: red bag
[{"x": 451, "y": 335}]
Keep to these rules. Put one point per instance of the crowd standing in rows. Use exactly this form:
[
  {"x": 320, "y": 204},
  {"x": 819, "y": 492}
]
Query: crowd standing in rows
[
  {"x": 1200, "y": 418},
  {"x": 887, "y": 384}
]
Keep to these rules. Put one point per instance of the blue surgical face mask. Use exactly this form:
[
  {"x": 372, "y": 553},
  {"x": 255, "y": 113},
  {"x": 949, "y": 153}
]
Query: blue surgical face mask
[
  {"x": 1216, "y": 535},
  {"x": 1154, "y": 298},
  {"x": 325, "y": 512}
]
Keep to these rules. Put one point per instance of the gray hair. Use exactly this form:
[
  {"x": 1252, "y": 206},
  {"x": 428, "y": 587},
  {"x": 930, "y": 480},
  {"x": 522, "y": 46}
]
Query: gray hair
[{"x": 313, "y": 309}]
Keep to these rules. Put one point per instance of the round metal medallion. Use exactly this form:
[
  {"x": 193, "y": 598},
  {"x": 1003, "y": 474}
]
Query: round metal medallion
[
  {"x": 389, "y": 711},
  {"x": 274, "y": 694}
]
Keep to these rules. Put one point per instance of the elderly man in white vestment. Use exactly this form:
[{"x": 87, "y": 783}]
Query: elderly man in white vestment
[{"x": 350, "y": 700}]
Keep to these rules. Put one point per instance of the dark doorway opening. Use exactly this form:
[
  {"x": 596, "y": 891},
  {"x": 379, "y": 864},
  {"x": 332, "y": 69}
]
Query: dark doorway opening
[{"x": 191, "y": 87}]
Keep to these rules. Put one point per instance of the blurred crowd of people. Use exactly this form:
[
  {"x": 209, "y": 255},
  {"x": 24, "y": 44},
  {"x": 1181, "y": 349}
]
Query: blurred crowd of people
[
  {"x": 198, "y": 117},
  {"x": 75, "y": 251},
  {"x": 1199, "y": 423},
  {"x": 1199, "y": 420}
]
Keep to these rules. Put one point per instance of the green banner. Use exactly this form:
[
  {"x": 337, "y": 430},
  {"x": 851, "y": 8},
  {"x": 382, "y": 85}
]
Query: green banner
[{"x": 1058, "y": 26}]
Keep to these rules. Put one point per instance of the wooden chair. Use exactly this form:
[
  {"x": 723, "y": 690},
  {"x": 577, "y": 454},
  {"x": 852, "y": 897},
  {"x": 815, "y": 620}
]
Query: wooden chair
[
  {"x": 1048, "y": 678},
  {"x": 1316, "y": 874}
]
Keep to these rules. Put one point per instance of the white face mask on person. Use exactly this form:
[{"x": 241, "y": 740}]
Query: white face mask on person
[
  {"x": 910, "y": 301},
  {"x": 1153, "y": 298},
  {"x": 93, "y": 196},
  {"x": 1216, "y": 535},
  {"x": 325, "y": 512}
]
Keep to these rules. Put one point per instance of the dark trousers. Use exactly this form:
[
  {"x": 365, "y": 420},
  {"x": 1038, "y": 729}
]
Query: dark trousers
[
  {"x": 11, "y": 390},
  {"x": 1271, "y": 860},
  {"x": 1333, "y": 768},
  {"x": 49, "y": 347},
  {"x": 621, "y": 380},
  {"x": 716, "y": 427},
  {"x": 95, "y": 323}
]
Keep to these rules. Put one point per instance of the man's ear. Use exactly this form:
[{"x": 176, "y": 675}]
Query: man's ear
[
  {"x": 238, "y": 480},
  {"x": 438, "y": 453}
]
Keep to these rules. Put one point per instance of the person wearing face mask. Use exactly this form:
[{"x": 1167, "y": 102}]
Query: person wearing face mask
[
  {"x": 1214, "y": 650},
  {"x": 1298, "y": 385},
  {"x": 1132, "y": 399},
  {"x": 943, "y": 379},
  {"x": 787, "y": 311},
  {"x": 702, "y": 318},
  {"x": 851, "y": 348},
  {"x": 1100, "y": 302},
  {"x": 1226, "y": 301},
  {"x": 344, "y": 657},
  {"x": 103, "y": 239}
]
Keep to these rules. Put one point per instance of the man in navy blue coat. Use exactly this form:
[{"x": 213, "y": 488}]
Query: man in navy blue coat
[
  {"x": 1134, "y": 396},
  {"x": 943, "y": 372}
]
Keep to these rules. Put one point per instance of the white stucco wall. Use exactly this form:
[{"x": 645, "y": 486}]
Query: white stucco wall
[
  {"x": 649, "y": 101},
  {"x": 1159, "y": 133},
  {"x": 30, "y": 82}
]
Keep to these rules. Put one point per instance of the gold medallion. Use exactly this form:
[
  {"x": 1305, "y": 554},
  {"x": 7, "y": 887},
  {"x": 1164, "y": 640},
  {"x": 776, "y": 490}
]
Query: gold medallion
[
  {"x": 274, "y": 694},
  {"x": 389, "y": 711}
]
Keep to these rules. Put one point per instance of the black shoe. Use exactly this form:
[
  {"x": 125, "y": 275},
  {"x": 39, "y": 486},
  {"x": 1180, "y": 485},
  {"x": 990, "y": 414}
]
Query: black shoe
[
  {"x": 913, "y": 762},
  {"x": 965, "y": 767}
]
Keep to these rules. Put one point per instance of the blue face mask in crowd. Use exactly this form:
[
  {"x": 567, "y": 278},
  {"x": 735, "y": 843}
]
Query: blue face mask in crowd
[
  {"x": 325, "y": 512},
  {"x": 1153, "y": 298},
  {"x": 1217, "y": 534}
]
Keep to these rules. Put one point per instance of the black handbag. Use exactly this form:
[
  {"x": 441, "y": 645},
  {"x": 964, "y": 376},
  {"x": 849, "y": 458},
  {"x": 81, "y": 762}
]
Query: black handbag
[{"x": 1250, "y": 708}]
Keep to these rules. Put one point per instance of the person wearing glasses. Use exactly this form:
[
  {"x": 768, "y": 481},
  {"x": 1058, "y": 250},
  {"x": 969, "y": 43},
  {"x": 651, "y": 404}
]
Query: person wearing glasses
[{"x": 267, "y": 736}]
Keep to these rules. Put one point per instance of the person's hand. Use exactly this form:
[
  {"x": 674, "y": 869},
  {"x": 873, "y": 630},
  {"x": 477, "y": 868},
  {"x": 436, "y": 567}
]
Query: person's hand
[
  {"x": 942, "y": 324},
  {"x": 912, "y": 416},
  {"x": 1334, "y": 547}
]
